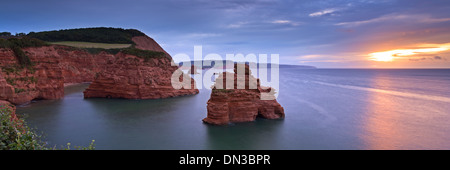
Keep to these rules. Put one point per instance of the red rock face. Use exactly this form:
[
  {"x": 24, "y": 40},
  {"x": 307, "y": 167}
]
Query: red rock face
[
  {"x": 240, "y": 105},
  {"x": 193, "y": 70},
  {"x": 53, "y": 66},
  {"x": 20, "y": 85},
  {"x": 131, "y": 77},
  {"x": 80, "y": 66},
  {"x": 147, "y": 43},
  {"x": 117, "y": 76},
  {"x": 50, "y": 80}
]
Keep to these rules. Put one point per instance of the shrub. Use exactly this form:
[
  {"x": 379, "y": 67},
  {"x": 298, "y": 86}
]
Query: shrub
[
  {"x": 98, "y": 34},
  {"x": 145, "y": 54},
  {"x": 21, "y": 57},
  {"x": 223, "y": 90},
  {"x": 16, "y": 45},
  {"x": 16, "y": 135},
  {"x": 11, "y": 81},
  {"x": 98, "y": 50},
  {"x": 5, "y": 34},
  {"x": 16, "y": 90},
  {"x": 33, "y": 79},
  {"x": 26, "y": 42},
  {"x": 9, "y": 69},
  {"x": 4, "y": 43}
]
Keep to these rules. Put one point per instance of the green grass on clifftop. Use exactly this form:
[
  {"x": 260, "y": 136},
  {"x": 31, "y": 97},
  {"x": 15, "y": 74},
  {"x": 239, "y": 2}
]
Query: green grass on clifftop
[
  {"x": 145, "y": 54},
  {"x": 79, "y": 44}
]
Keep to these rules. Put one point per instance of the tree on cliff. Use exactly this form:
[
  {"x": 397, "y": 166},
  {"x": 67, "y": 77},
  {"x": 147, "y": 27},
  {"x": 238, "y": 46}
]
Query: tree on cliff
[
  {"x": 97, "y": 35},
  {"x": 5, "y": 34}
]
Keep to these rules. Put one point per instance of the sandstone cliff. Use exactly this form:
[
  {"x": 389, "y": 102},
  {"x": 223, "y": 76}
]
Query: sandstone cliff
[
  {"x": 240, "y": 105},
  {"x": 113, "y": 75},
  {"x": 147, "y": 43},
  {"x": 21, "y": 84},
  {"x": 53, "y": 66},
  {"x": 131, "y": 77}
]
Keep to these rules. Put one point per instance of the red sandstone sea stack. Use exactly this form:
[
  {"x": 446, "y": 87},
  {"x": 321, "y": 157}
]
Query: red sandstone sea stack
[
  {"x": 193, "y": 70},
  {"x": 240, "y": 105}
]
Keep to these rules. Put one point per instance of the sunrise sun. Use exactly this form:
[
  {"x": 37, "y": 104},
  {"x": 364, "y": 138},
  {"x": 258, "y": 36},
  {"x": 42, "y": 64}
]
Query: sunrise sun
[
  {"x": 381, "y": 56},
  {"x": 388, "y": 56}
]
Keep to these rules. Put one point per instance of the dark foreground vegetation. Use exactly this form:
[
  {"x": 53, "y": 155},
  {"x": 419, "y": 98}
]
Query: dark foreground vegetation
[{"x": 16, "y": 135}]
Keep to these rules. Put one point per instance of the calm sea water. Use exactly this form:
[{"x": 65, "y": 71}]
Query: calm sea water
[{"x": 325, "y": 109}]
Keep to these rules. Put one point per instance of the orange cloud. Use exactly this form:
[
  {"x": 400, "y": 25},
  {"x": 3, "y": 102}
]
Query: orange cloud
[{"x": 423, "y": 49}]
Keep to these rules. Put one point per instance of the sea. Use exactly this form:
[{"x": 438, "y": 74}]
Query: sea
[{"x": 326, "y": 109}]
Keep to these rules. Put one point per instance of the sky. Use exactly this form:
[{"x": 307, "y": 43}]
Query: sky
[{"x": 321, "y": 33}]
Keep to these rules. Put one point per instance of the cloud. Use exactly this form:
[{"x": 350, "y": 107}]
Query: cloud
[
  {"x": 237, "y": 25},
  {"x": 323, "y": 12},
  {"x": 202, "y": 35},
  {"x": 322, "y": 61},
  {"x": 417, "y": 59},
  {"x": 429, "y": 58},
  {"x": 413, "y": 54},
  {"x": 396, "y": 17},
  {"x": 286, "y": 22},
  {"x": 264, "y": 24},
  {"x": 328, "y": 58},
  {"x": 228, "y": 4},
  {"x": 314, "y": 56},
  {"x": 281, "y": 22}
]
